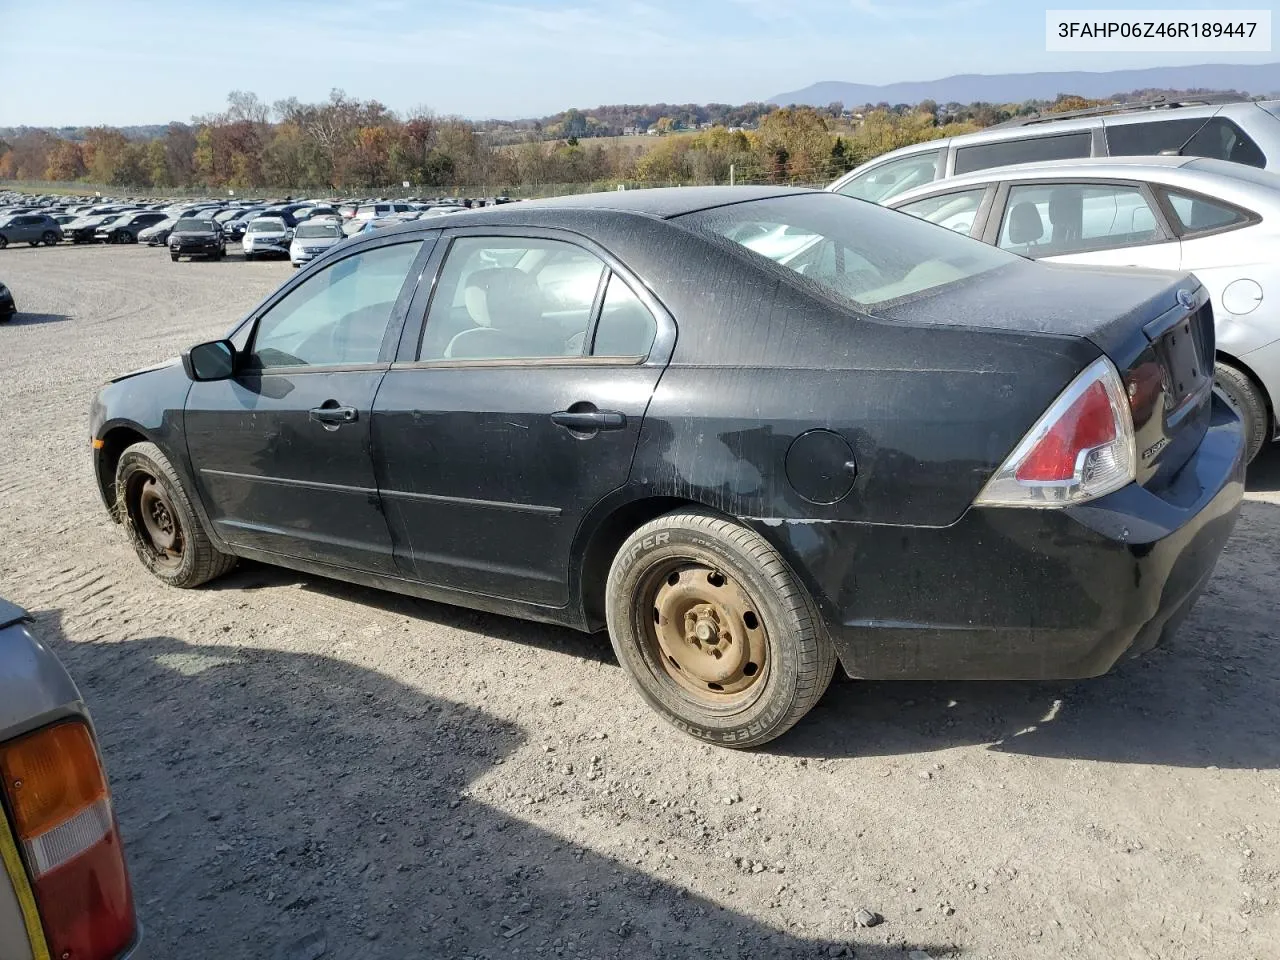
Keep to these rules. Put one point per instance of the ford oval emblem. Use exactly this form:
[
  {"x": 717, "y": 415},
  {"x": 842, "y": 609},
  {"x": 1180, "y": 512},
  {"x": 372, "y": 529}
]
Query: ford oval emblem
[{"x": 1186, "y": 299}]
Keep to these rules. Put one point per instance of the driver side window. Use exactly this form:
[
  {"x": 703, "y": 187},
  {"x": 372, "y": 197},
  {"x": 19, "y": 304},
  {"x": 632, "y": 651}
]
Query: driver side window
[{"x": 339, "y": 315}]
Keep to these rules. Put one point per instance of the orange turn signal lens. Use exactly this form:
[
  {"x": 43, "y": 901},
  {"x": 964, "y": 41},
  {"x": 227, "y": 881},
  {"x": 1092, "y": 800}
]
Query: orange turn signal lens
[{"x": 51, "y": 776}]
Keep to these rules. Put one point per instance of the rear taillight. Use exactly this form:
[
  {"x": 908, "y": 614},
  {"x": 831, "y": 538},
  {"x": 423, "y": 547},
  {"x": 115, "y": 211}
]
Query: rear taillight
[
  {"x": 1081, "y": 448},
  {"x": 57, "y": 793}
]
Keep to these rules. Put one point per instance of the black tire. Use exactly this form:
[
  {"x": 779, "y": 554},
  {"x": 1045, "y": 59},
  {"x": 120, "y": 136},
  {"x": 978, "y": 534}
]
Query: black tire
[
  {"x": 4, "y": 241},
  {"x": 173, "y": 257},
  {"x": 50, "y": 238},
  {"x": 798, "y": 659},
  {"x": 248, "y": 256},
  {"x": 145, "y": 477},
  {"x": 1247, "y": 400}
]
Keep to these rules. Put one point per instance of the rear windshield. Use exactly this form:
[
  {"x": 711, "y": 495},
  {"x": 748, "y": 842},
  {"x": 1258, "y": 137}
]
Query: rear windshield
[
  {"x": 190, "y": 224},
  {"x": 266, "y": 226},
  {"x": 856, "y": 250},
  {"x": 308, "y": 231}
]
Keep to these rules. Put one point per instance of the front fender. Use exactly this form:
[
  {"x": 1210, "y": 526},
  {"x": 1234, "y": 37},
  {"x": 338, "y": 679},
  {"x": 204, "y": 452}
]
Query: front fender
[{"x": 144, "y": 406}]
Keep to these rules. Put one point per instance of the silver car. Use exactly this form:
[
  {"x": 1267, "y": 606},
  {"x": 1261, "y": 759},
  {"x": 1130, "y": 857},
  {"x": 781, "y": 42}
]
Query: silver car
[
  {"x": 313, "y": 238},
  {"x": 1244, "y": 132},
  {"x": 266, "y": 236},
  {"x": 64, "y": 884},
  {"x": 1220, "y": 220}
]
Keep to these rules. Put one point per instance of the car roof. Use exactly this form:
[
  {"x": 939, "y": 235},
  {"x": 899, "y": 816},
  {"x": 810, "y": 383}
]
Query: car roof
[
  {"x": 660, "y": 202},
  {"x": 1233, "y": 182}
]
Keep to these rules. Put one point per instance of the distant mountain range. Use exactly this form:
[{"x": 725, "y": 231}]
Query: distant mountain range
[{"x": 1256, "y": 79}]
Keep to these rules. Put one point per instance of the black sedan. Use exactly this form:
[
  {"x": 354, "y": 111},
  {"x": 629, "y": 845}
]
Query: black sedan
[
  {"x": 197, "y": 237},
  {"x": 751, "y": 431}
]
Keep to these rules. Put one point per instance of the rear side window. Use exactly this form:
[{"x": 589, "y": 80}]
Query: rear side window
[
  {"x": 1200, "y": 215},
  {"x": 882, "y": 183},
  {"x": 1217, "y": 138},
  {"x": 1151, "y": 138},
  {"x": 514, "y": 298},
  {"x": 1051, "y": 219},
  {"x": 1223, "y": 140},
  {"x": 982, "y": 156},
  {"x": 626, "y": 327}
]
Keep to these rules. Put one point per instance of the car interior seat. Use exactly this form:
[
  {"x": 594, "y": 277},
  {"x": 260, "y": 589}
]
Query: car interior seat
[
  {"x": 1026, "y": 228},
  {"x": 505, "y": 304}
]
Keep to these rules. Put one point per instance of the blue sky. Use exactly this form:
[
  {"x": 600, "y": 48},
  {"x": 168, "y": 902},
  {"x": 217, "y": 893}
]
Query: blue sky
[{"x": 148, "y": 61}]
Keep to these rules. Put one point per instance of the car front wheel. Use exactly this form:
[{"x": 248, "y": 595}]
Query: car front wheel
[
  {"x": 714, "y": 630},
  {"x": 4, "y": 241},
  {"x": 1248, "y": 402},
  {"x": 50, "y": 238},
  {"x": 161, "y": 523}
]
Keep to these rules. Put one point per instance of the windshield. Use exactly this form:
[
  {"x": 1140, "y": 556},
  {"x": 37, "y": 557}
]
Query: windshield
[
  {"x": 310, "y": 231},
  {"x": 267, "y": 226},
  {"x": 853, "y": 249},
  {"x": 192, "y": 225}
]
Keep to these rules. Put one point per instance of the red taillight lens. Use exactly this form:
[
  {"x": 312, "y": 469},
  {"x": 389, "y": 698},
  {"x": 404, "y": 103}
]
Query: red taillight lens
[
  {"x": 62, "y": 811},
  {"x": 1087, "y": 423},
  {"x": 1081, "y": 448}
]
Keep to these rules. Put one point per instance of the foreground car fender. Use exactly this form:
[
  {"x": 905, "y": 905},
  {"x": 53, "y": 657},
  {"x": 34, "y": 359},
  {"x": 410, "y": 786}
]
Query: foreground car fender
[{"x": 138, "y": 413}]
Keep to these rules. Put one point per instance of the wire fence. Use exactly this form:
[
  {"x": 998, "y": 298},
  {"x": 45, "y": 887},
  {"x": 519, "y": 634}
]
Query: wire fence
[{"x": 811, "y": 178}]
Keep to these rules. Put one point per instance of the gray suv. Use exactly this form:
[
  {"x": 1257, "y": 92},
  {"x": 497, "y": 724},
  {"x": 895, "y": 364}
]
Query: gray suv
[
  {"x": 34, "y": 228},
  {"x": 1240, "y": 131}
]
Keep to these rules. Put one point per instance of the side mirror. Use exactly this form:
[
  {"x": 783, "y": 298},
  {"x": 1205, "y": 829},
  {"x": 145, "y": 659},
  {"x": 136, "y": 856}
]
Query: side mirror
[{"x": 210, "y": 361}]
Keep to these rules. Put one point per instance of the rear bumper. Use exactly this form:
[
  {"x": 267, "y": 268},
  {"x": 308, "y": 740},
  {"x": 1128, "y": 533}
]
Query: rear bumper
[{"x": 1024, "y": 594}]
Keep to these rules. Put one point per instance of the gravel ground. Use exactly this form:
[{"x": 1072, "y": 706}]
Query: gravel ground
[{"x": 304, "y": 768}]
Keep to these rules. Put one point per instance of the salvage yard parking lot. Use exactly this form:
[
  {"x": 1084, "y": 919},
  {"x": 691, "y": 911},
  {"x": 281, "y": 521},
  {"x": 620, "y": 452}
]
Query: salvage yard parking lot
[{"x": 304, "y": 768}]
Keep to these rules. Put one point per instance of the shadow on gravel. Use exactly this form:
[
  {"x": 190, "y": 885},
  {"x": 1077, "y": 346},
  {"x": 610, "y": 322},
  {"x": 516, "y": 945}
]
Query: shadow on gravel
[
  {"x": 273, "y": 801},
  {"x": 1264, "y": 472},
  {"x": 21, "y": 319},
  {"x": 1210, "y": 697}
]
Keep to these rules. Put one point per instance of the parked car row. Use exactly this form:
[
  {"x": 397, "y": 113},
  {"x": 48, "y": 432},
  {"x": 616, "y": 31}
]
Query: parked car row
[{"x": 1209, "y": 204}]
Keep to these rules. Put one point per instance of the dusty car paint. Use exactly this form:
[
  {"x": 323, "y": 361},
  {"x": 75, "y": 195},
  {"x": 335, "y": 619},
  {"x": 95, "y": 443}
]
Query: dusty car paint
[{"x": 453, "y": 486}]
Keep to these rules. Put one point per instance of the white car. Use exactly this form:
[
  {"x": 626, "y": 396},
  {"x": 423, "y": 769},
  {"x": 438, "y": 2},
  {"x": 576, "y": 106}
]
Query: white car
[
  {"x": 311, "y": 239},
  {"x": 1218, "y": 219},
  {"x": 266, "y": 236}
]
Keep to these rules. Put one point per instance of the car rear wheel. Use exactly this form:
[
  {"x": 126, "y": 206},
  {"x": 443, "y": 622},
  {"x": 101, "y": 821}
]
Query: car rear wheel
[
  {"x": 714, "y": 630},
  {"x": 4, "y": 241},
  {"x": 173, "y": 257},
  {"x": 161, "y": 523},
  {"x": 1248, "y": 402},
  {"x": 50, "y": 238}
]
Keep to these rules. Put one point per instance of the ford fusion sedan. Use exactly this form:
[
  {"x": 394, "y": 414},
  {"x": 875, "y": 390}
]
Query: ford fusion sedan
[
  {"x": 64, "y": 884},
  {"x": 266, "y": 236},
  {"x": 197, "y": 237},
  {"x": 880, "y": 444},
  {"x": 312, "y": 238},
  {"x": 1218, "y": 219}
]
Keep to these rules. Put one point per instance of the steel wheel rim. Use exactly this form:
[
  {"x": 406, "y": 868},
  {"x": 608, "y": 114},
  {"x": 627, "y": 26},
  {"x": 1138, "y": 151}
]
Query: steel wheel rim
[
  {"x": 158, "y": 523},
  {"x": 704, "y": 630}
]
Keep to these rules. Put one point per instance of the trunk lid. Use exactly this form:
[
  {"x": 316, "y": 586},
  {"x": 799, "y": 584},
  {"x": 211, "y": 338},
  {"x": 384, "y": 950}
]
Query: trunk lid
[{"x": 1155, "y": 326}]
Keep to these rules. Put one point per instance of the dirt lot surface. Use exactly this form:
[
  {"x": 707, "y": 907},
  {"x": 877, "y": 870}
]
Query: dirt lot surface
[{"x": 308, "y": 769}]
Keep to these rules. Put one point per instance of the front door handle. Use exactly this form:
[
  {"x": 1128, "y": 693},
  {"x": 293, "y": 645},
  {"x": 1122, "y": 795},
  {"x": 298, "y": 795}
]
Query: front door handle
[
  {"x": 334, "y": 415},
  {"x": 590, "y": 421}
]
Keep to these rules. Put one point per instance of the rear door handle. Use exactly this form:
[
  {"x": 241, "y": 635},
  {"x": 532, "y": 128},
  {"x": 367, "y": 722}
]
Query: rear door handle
[
  {"x": 586, "y": 422},
  {"x": 335, "y": 414}
]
